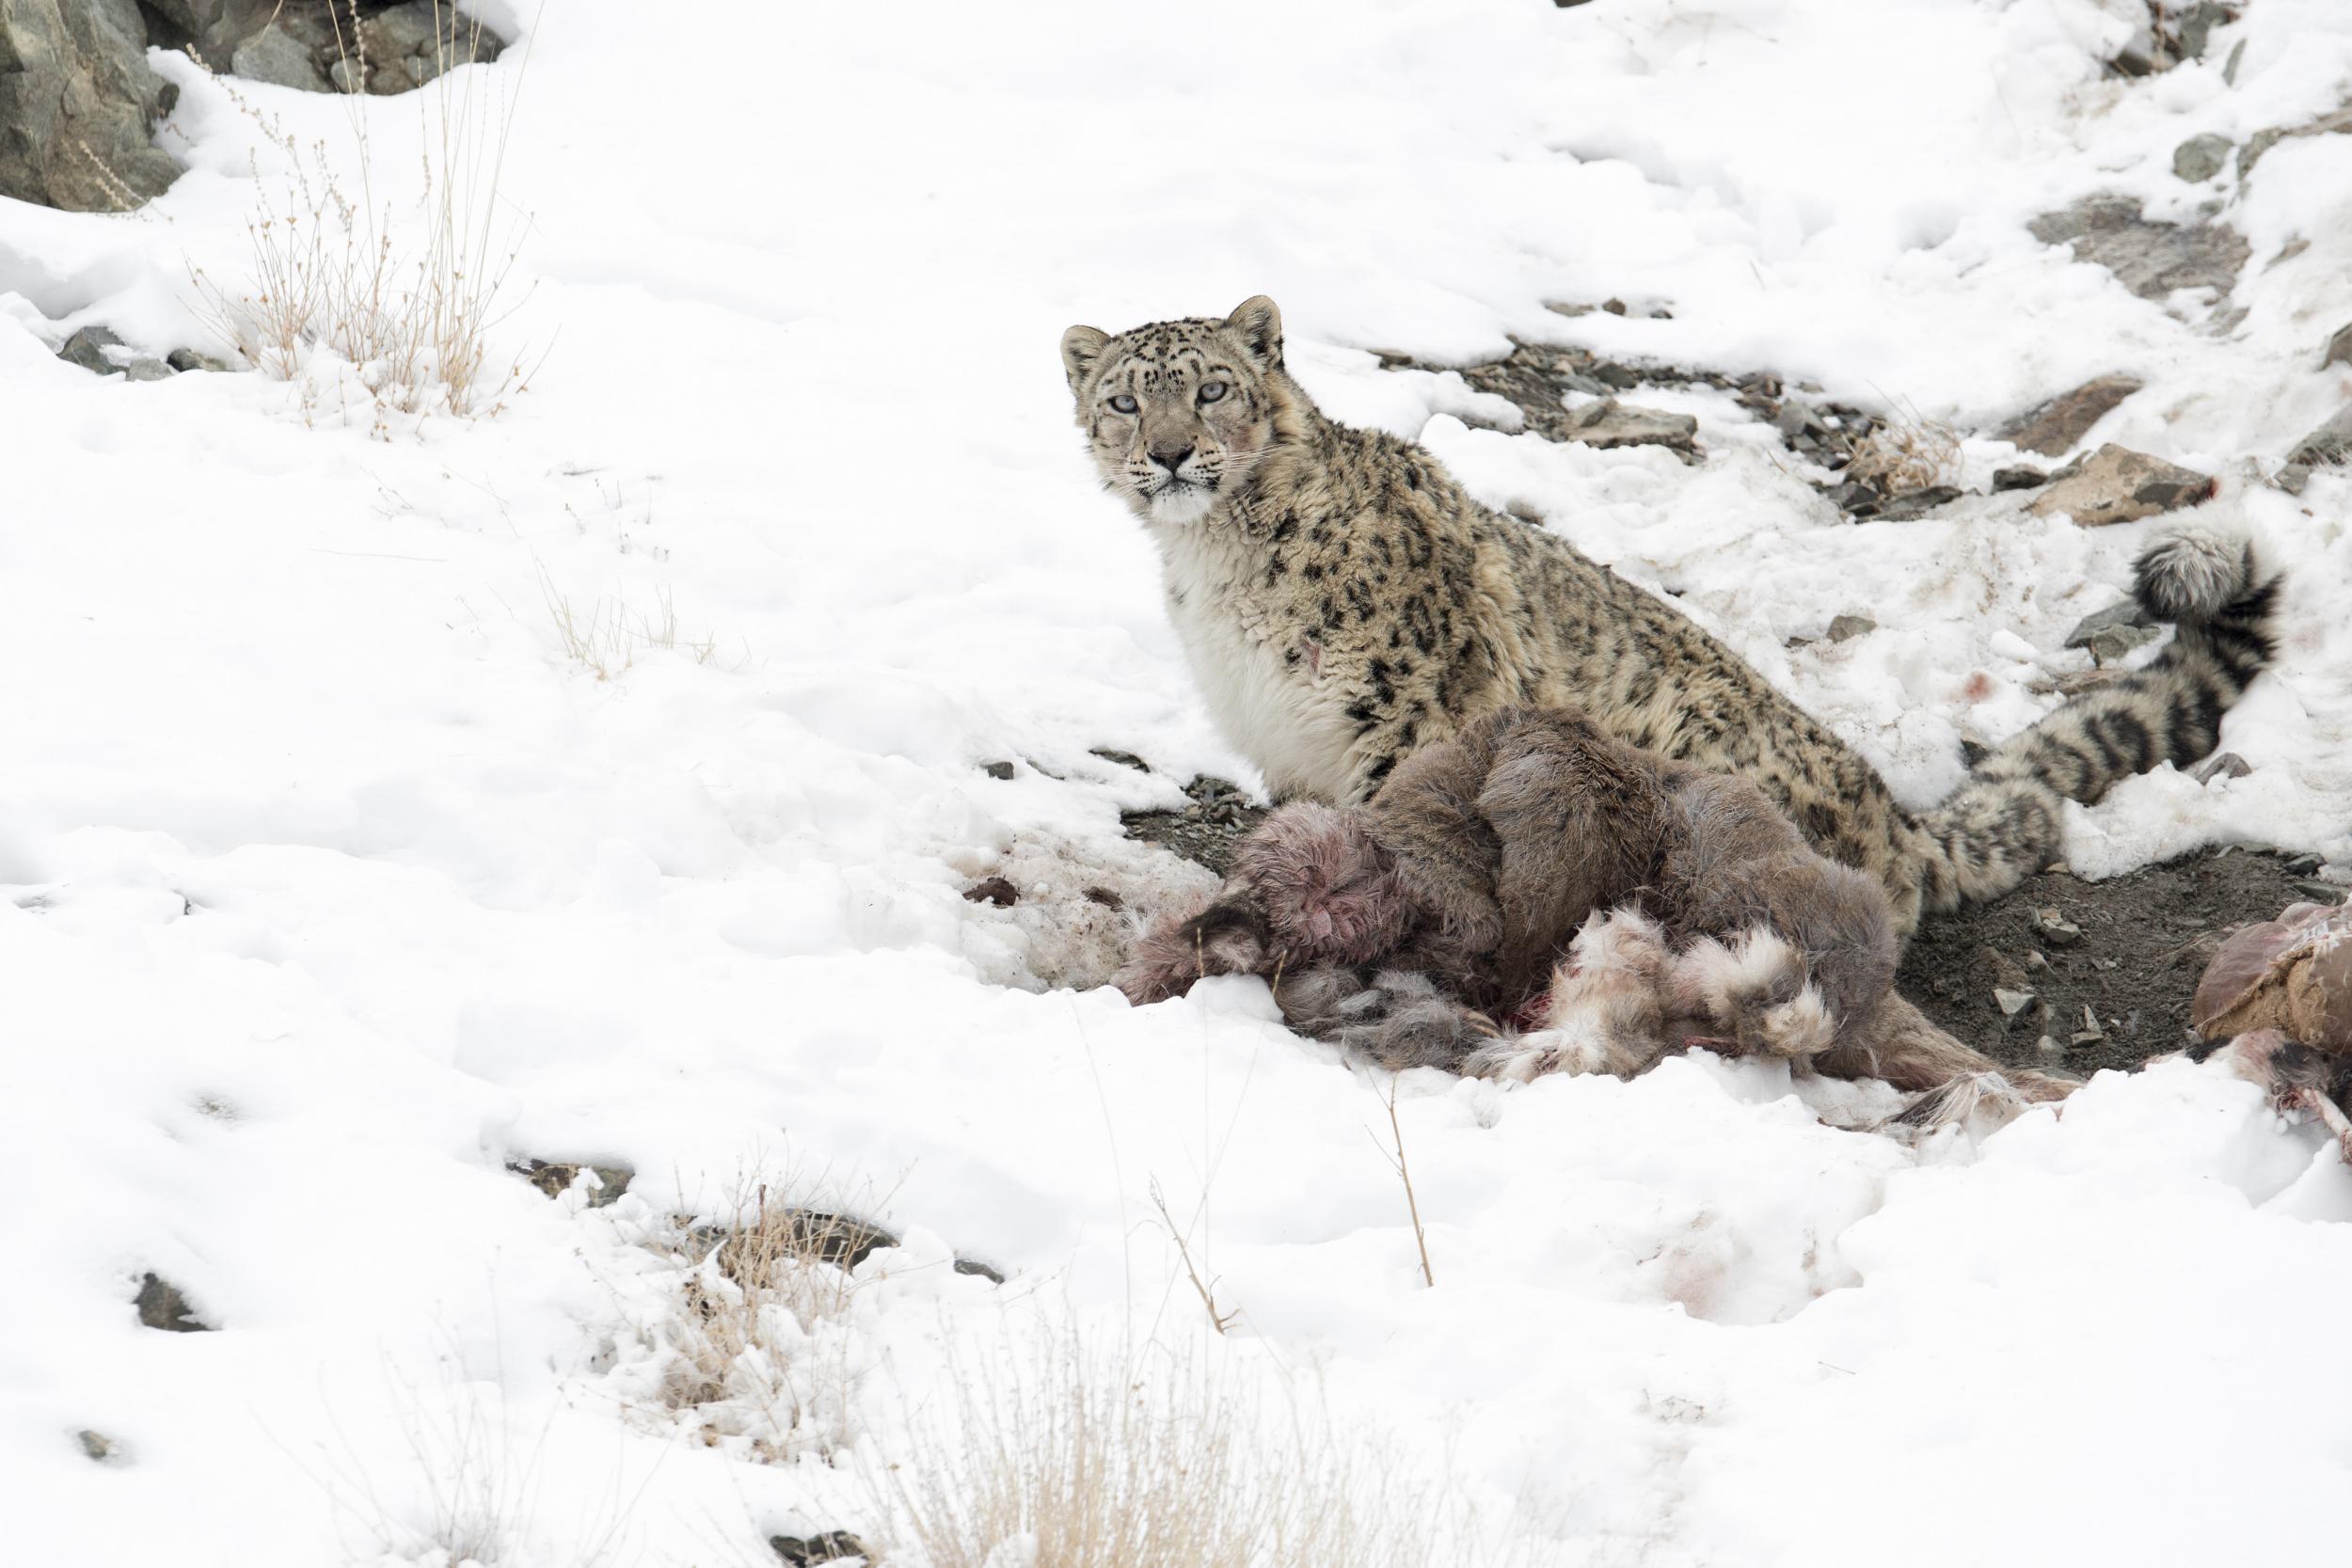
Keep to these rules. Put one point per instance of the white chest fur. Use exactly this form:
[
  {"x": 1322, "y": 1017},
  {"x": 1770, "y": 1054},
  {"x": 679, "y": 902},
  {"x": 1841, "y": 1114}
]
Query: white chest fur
[{"x": 1282, "y": 715}]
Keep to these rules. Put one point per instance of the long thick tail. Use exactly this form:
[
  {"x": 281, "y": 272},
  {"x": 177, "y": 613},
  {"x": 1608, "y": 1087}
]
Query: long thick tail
[{"x": 2004, "y": 824}]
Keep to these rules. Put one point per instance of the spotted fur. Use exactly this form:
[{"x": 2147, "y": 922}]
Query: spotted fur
[{"x": 1344, "y": 602}]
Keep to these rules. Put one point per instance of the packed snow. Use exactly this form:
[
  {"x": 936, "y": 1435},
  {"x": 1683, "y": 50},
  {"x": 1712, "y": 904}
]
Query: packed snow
[{"x": 336, "y": 883}]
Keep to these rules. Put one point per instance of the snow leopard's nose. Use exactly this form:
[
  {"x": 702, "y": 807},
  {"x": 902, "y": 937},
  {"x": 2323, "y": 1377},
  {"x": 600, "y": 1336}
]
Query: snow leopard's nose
[{"x": 1171, "y": 458}]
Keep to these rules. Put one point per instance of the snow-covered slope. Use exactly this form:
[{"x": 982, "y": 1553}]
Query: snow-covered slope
[{"x": 335, "y": 884}]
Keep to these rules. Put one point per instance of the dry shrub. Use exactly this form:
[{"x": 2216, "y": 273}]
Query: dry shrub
[
  {"x": 1906, "y": 452},
  {"x": 407, "y": 294},
  {"x": 608, "y": 637},
  {"x": 1084, "y": 1460},
  {"x": 469, "y": 1489},
  {"x": 757, "y": 1339}
]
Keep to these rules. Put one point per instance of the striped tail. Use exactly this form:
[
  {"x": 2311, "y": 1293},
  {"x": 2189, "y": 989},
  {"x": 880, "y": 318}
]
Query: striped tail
[{"x": 2004, "y": 824}]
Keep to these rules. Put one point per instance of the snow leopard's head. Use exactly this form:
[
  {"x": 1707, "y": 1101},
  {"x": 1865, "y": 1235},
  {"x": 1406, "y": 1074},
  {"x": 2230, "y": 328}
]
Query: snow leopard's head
[{"x": 1177, "y": 412}]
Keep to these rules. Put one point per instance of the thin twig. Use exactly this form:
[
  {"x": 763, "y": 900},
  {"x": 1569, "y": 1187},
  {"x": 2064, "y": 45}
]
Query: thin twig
[
  {"x": 1220, "y": 1320},
  {"x": 1412, "y": 1202}
]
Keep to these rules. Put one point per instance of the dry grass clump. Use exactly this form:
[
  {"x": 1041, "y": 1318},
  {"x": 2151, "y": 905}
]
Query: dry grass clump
[
  {"x": 1084, "y": 1460},
  {"x": 1905, "y": 453},
  {"x": 756, "y": 1344},
  {"x": 608, "y": 637},
  {"x": 407, "y": 293}
]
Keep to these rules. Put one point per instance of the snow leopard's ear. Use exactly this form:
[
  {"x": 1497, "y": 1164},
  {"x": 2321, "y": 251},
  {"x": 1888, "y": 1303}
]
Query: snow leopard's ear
[
  {"x": 1080, "y": 347},
  {"x": 1259, "y": 325}
]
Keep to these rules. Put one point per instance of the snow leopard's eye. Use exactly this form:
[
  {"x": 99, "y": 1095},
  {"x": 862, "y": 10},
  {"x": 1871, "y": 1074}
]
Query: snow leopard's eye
[
  {"x": 1123, "y": 404},
  {"x": 1212, "y": 390}
]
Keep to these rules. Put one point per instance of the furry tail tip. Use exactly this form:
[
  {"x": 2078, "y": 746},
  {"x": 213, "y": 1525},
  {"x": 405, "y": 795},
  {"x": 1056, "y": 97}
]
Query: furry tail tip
[{"x": 2194, "y": 573}]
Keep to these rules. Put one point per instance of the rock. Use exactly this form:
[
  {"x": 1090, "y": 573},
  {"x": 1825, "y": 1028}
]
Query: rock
[
  {"x": 973, "y": 1266},
  {"x": 1125, "y": 759},
  {"x": 88, "y": 349},
  {"x": 2053, "y": 927},
  {"x": 2019, "y": 477},
  {"x": 1610, "y": 423},
  {"x": 2051, "y": 428},
  {"x": 2339, "y": 348},
  {"x": 808, "y": 1551},
  {"x": 78, "y": 106},
  {"x": 274, "y": 55},
  {"x": 994, "y": 889},
  {"x": 998, "y": 769},
  {"x": 2008, "y": 974},
  {"x": 161, "y": 1306},
  {"x": 2074, "y": 683},
  {"x": 2228, "y": 765},
  {"x": 2116, "y": 485},
  {"x": 2122, "y": 612},
  {"x": 2331, "y": 443},
  {"x": 555, "y": 1178},
  {"x": 1857, "y": 499},
  {"x": 1914, "y": 505},
  {"x": 2150, "y": 259},
  {"x": 148, "y": 370},
  {"x": 1795, "y": 418},
  {"x": 2261, "y": 142},
  {"x": 1844, "y": 628},
  {"x": 2192, "y": 31},
  {"x": 346, "y": 77},
  {"x": 189, "y": 360},
  {"x": 2293, "y": 477},
  {"x": 2011, "y": 1003},
  {"x": 2200, "y": 158},
  {"x": 2109, "y": 644},
  {"x": 98, "y": 1445}
]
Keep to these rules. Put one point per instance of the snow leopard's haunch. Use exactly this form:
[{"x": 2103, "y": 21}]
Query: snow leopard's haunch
[
  {"x": 2004, "y": 824},
  {"x": 1344, "y": 602}
]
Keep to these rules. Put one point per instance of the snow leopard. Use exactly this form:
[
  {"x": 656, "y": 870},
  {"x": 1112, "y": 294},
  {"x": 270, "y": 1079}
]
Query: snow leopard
[{"x": 1344, "y": 601}]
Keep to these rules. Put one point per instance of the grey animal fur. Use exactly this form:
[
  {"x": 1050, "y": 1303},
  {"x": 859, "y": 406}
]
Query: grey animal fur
[
  {"x": 1344, "y": 602},
  {"x": 1526, "y": 868}
]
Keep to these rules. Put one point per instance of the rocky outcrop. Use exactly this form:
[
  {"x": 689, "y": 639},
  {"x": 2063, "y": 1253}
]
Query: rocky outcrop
[
  {"x": 79, "y": 102},
  {"x": 326, "y": 45},
  {"x": 2148, "y": 257},
  {"x": 78, "y": 106}
]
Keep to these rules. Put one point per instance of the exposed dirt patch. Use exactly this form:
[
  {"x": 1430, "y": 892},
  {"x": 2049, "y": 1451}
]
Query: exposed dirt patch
[
  {"x": 2130, "y": 949},
  {"x": 1205, "y": 831}
]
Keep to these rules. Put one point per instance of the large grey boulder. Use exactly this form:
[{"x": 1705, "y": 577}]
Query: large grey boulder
[{"x": 78, "y": 106}]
